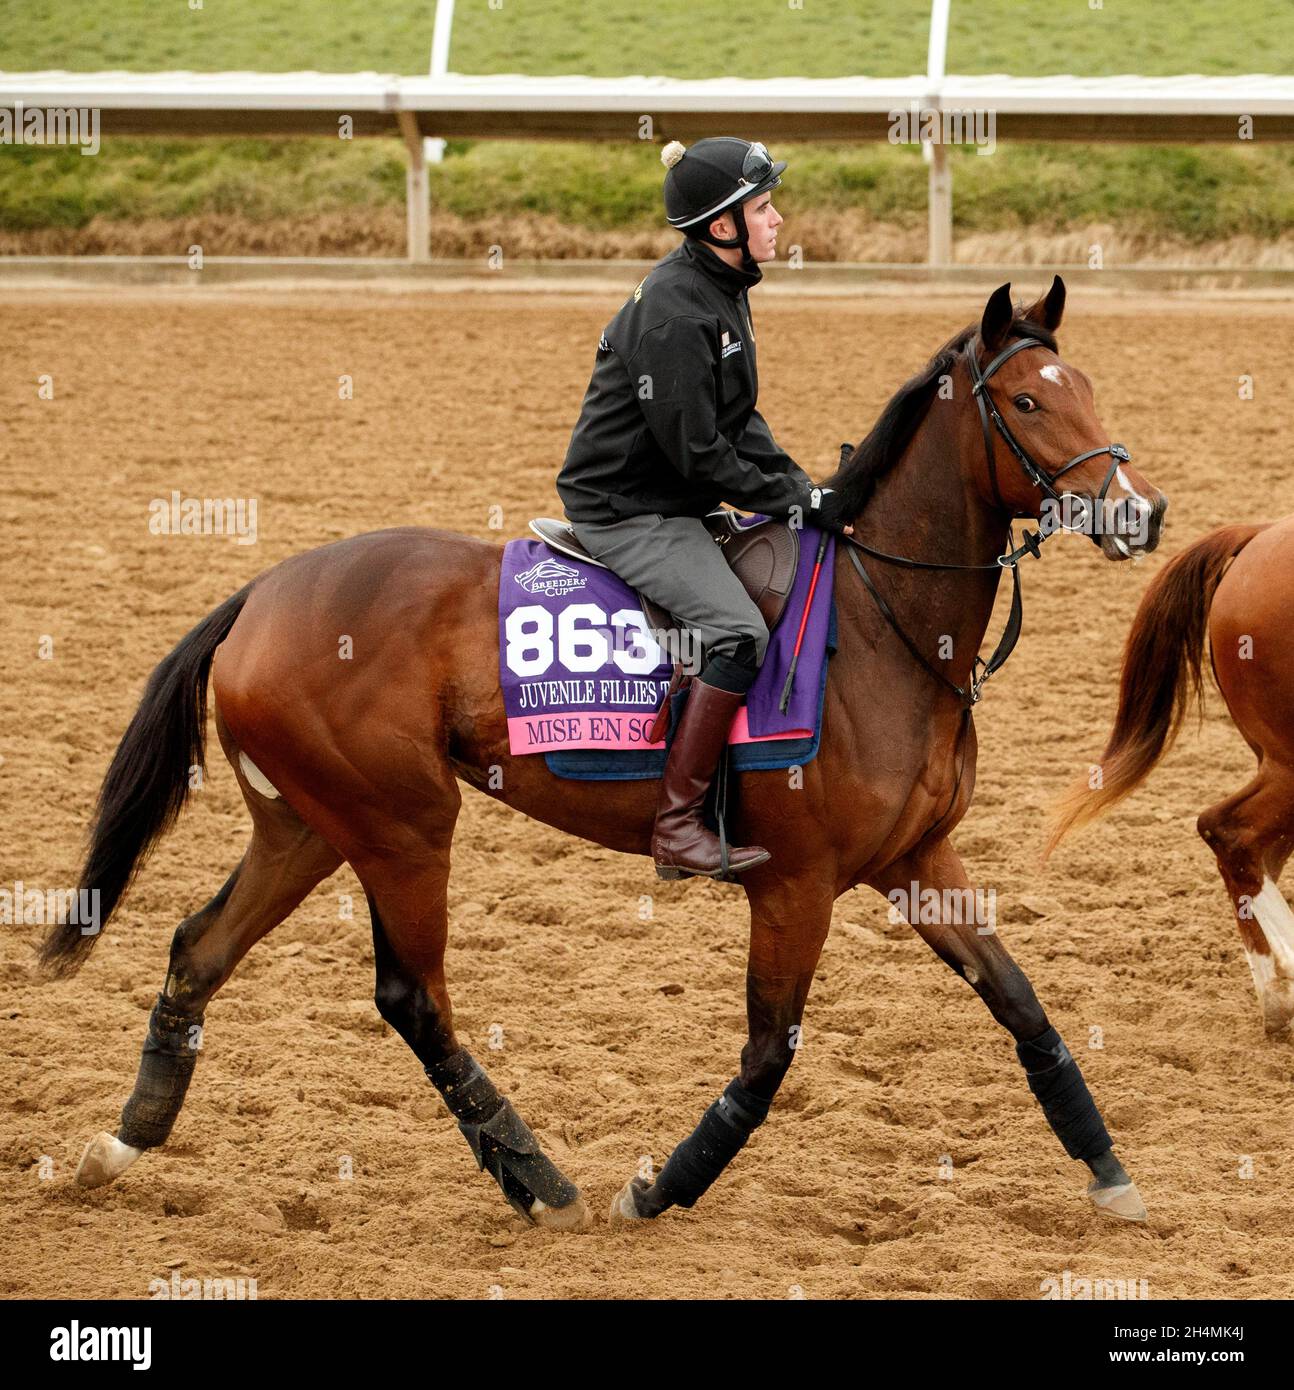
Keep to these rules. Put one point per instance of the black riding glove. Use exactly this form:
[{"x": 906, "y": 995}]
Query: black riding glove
[{"x": 828, "y": 514}]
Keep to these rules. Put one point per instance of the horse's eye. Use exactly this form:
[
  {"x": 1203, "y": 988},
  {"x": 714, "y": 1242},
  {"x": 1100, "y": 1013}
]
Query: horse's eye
[{"x": 1026, "y": 404}]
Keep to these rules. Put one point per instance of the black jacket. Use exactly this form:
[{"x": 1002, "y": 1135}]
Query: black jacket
[{"x": 669, "y": 423}]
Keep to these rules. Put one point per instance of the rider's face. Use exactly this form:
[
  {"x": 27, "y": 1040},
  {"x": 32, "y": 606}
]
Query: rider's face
[{"x": 762, "y": 222}]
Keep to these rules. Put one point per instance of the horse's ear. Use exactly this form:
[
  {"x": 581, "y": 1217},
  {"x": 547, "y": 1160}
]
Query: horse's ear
[
  {"x": 998, "y": 315},
  {"x": 1049, "y": 308}
]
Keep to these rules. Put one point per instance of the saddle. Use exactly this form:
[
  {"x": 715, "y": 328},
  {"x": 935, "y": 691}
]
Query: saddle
[{"x": 764, "y": 556}]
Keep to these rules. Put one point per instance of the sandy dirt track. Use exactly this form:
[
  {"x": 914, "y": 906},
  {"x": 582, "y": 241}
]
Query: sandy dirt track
[{"x": 464, "y": 403}]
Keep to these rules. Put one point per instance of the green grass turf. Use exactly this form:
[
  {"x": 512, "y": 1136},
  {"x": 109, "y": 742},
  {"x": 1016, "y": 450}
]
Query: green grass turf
[
  {"x": 1198, "y": 194},
  {"x": 679, "y": 38}
]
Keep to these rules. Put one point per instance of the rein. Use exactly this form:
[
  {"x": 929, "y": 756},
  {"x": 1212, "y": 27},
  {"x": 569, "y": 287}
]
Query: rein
[
  {"x": 1032, "y": 541},
  {"x": 981, "y": 670}
]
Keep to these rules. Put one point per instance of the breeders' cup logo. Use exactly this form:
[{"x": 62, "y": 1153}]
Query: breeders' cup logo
[{"x": 550, "y": 577}]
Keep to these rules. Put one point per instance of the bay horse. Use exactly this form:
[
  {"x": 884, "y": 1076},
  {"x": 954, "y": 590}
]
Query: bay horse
[
  {"x": 1230, "y": 593},
  {"x": 359, "y": 760}
]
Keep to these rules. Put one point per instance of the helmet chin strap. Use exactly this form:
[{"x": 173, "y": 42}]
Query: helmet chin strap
[{"x": 742, "y": 239}]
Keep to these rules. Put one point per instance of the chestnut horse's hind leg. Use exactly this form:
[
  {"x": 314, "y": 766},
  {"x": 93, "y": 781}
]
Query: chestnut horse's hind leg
[
  {"x": 789, "y": 922},
  {"x": 1252, "y": 833},
  {"x": 966, "y": 940},
  {"x": 284, "y": 861},
  {"x": 410, "y": 925}
]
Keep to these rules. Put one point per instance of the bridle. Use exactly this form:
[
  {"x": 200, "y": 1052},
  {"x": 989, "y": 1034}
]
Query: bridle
[
  {"x": 988, "y": 411},
  {"x": 1032, "y": 541}
]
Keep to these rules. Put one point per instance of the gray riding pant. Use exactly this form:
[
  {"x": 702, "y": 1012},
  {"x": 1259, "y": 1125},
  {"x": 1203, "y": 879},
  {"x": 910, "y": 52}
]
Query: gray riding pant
[{"x": 676, "y": 563}]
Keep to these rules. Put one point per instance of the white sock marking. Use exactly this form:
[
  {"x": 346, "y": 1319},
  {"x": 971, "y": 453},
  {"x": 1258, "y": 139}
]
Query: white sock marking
[{"x": 1277, "y": 921}]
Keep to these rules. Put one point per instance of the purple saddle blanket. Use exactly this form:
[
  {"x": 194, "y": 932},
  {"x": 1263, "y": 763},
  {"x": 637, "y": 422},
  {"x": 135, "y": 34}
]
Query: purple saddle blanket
[{"x": 579, "y": 668}]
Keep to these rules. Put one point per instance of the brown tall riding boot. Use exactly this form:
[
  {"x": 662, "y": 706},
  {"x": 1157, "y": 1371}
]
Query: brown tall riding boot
[{"x": 681, "y": 844}]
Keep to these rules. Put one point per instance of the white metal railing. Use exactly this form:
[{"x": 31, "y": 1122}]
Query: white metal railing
[
  {"x": 939, "y": 196},
  {"x": 441, "y": 29}
]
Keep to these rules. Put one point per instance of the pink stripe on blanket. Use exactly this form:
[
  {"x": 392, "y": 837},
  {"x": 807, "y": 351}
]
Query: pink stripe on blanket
[{"x": 546, "y": 733}]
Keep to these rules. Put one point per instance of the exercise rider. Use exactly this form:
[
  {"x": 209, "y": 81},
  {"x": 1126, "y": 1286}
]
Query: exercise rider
[{"x": 668, "y": 430}]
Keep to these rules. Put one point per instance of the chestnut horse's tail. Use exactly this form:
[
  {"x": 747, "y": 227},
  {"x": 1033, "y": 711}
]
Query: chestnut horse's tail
[
  {"x": 1162, "y": 672},
  {"x": 146, "y": 784}
]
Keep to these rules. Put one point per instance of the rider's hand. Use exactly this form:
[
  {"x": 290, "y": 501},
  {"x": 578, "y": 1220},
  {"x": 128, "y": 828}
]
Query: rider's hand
[{"x": 827, "y": 514}]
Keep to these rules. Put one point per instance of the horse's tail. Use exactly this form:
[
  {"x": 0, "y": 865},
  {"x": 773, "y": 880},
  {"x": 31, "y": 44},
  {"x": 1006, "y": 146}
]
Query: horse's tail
[
  {"x": 1162, "y": 673},
  {"x": 146, "y": 785}
]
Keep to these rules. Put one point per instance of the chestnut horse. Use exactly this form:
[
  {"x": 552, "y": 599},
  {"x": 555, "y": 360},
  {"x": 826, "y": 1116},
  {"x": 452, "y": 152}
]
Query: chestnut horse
[
  {"x": 360, "y": 760},
  {"x": 1229, "y": 591}
]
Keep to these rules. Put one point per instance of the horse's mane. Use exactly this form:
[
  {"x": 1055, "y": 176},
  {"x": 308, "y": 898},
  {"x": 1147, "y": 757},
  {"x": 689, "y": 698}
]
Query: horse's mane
[{"x": 856, "y": 478}]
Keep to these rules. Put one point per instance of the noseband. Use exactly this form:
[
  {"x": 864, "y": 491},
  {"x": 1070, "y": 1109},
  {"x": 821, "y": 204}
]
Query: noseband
[{"x": 988, "y": 412}]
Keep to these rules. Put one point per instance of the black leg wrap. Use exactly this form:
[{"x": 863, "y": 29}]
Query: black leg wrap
[
  {"x": 500, "y": 1139},
  {"x": 711, "y": 1146},
  {"x": 1058, "y": 1085},
  {"x": 464, "y": 1086},
  {"x": 165, "y": 1068}
]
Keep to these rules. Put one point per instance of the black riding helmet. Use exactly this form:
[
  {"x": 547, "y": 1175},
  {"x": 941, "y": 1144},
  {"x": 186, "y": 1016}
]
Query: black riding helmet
[{"x": 715, "y": 174}]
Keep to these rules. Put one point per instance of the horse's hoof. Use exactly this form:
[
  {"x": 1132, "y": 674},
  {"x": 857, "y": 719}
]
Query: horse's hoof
[
  {"x": 624, "y": 1210},
  {"x": 105, "y": 1158},
  {"x": 575, "y": 1216},
  {"x": 1278, "y": 1011},
  {"x": 1123, "y": 1201}
]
